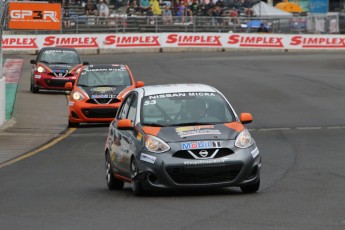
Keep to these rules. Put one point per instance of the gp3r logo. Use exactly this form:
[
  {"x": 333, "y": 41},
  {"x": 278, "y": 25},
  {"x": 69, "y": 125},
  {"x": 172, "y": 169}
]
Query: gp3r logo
[{"x": 35, "y": 14}]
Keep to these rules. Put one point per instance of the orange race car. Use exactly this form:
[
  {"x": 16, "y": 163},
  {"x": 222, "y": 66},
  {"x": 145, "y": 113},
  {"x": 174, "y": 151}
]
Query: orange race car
[{"x": 98, "y": 92}]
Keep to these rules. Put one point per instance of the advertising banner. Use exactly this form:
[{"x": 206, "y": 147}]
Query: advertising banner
[
  {"x": 174, "y": 40},
  {"x": 34, "y": 16}
]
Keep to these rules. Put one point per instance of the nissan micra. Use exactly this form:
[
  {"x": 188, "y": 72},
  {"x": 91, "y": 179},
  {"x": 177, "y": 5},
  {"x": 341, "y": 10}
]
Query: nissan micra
[{"x": 180, "y": 136}]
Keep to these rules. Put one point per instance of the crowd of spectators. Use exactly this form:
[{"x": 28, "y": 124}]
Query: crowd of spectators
[{"x": 185, "y": 10}]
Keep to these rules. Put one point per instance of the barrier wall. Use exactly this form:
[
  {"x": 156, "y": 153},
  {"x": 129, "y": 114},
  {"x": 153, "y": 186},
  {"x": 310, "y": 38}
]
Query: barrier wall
[{"x": 166, "y": 41}]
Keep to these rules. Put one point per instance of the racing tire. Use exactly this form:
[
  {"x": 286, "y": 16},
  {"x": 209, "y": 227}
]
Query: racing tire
[
  {"x": 72, "y": 124},
  {"x": 112, "y": 182},
  {"x": 34, "y": 89},
  {"x": 251, "y": 188},
  {"x": 137, "y": 187}
]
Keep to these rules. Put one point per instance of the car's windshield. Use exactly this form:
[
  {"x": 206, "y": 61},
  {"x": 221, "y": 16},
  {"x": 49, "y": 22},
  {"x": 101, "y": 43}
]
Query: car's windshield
[
  {"x": 190, "y": 108},
  {"x": 113, "y": 76},
  {"x": 59, "y": 56}
]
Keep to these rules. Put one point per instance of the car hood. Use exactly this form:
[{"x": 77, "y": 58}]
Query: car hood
[
  {"x": 196, "y": 132},
  {"x": 103, "y": 91}
]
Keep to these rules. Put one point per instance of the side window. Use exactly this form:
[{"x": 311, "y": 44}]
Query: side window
[
  {"x": 133, "y": 108},
  {"x": 125, "y": 106}
]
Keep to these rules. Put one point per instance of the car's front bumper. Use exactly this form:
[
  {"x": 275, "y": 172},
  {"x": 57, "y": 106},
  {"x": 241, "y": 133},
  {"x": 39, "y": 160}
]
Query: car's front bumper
[
  {"x": 242, "y": 167},
  {"x": 80, "y": 112},
  {"x": 45, "y": 81}
]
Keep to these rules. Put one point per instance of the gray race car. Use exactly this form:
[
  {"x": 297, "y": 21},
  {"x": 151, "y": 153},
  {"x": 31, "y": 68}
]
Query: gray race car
[{"x": 180, "y": 136}]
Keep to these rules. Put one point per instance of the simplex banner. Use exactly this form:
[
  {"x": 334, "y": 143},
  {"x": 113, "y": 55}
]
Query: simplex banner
[{"x": 174, "y": 40}]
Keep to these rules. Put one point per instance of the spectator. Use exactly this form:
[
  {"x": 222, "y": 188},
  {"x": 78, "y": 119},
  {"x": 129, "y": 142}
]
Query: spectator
[
  {"x": 155, "y": 7},
  {"x": 209, "y": 8},
  {"x": 144, "y": 5},
  {"x": 263, "y": 28},
  {"x": 66, "y": 18},
  {"x": 194, "y": 8},
  {"x": 150, "y": 17},
  {"x": 167, "y": 15},
  {"x": 90, "y": 8},
  {"x": 233, "y": 17},
  {"x": 217, "y": 16},
  {"x": 181, "y": 11},
  {"x": 220, "y": 3},
  {"x": 103, "y": 11},
  {"x": 133, "y": 8}
]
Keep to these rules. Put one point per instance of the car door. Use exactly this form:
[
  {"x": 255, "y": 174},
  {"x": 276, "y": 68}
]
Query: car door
[{"x": 124, "y": 140}]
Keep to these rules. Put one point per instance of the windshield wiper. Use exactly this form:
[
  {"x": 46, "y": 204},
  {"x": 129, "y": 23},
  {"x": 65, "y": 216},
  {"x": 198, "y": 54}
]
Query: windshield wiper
[
  {"x": 153, "y": 124},
  {"x": 83, "y": 85}
]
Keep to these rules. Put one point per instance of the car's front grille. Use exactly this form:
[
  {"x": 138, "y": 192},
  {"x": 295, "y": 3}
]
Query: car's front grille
[
  {"x": 57, "y": 83},
  {"x": 204, "y": 174},
  {"x": 185, "y": 154},
  {"x": 100, "y": 113},
  {"x": 62, "y": 74},
  {"x": 103, "y": 101}
]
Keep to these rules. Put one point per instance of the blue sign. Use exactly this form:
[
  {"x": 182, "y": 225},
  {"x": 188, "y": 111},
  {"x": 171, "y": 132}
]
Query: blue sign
[{"x": 318, "y": 6}]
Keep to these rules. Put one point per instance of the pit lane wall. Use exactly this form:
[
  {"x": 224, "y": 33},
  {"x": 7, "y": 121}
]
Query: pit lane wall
[{"x": 171, "y": 42}]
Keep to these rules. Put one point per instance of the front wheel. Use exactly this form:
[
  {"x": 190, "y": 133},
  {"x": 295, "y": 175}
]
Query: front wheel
[
  {"x": 251, "y": 188},
  {"x": 34, "y": 89},
  {"x": 112, "y": 182},
  {"x": 137, "y": 187},
  {"x": 72, "y": 124}
]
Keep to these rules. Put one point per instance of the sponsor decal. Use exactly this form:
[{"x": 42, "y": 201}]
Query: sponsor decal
[
  {"x": 105, "y": 70},
  {"x": 103, "y": 89},
  {"x": 37, "y": 76},
  {"x": 200, "y": 145},
  {"x": 318, "y": 42},
  {"x": 98, "y": 96},
  {"x": 197, "y": 130},
  {"x": 191, "y": 94},
  {"x": 147, "y": 158},
  {"x": 256, "y": 41},
  {"x": 132, "y": 41},
  {"x": 139, "y": 136},
  {"x": 58, "y": 51},
  {"x": 204, "y": 162},
  {"x": 72, "y": 41},
  {"x": 19, "y": 42},
  {"x": 37, "y": 16},
  {"x": 255, "y": 152},
  {"x": 71, "y": 103},
  {"x": 194, "y": 40}
]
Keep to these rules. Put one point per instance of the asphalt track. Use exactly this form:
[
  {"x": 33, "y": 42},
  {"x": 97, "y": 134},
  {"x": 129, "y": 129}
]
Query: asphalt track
[{"x": 297, "y": 101}]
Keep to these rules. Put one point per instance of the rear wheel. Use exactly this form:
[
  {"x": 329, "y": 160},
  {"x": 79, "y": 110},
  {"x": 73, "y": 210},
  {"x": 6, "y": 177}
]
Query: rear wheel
[
  {"x": 112, "y": 182},
  {"x": 137, "y": 187},
  {"x": 251, "y": 188}
]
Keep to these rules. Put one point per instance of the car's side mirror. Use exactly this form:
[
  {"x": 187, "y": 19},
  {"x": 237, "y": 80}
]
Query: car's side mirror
[
  {"x": 86, "y": 63},
  {"x": 246, "y": 118},
  {"x": 124, "y": 124},
  {"x": 68, "y": 85},
  {"x": 140, "y": 84},
  {"x": 32, "y": 61}
]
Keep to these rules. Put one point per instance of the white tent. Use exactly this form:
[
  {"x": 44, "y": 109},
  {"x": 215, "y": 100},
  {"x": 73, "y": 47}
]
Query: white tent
[{"x": 262, "y": 9}]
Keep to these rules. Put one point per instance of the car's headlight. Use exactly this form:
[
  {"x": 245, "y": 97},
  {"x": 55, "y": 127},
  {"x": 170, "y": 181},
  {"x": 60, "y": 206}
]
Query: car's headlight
[
  {"x": 156, "y": 145},
  {"x": 244, "y": 139},
  {"x": 77, "y": 96},
  {"x": 40, "y": 69}
]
